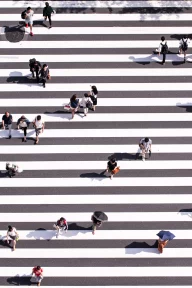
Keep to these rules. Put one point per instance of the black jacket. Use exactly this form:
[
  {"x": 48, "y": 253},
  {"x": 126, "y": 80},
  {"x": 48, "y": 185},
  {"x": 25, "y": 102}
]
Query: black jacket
[
  {"x": 47, "y": 11},
  {"x": 43, "y": 74},
  {"x": 36, "y": 67}
]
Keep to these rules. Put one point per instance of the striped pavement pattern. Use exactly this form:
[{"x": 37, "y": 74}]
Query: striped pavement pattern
[{"x": 109, "y": 44}]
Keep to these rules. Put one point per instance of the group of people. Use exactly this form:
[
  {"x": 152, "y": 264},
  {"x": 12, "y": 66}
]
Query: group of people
[
  {"x": 89, "y": 101},
  {"x": 23, "y": 124},
  {"x": 41, "y": 73},
  {"x": 164, "y": 50},
  {"x": 27, "y": 15}
]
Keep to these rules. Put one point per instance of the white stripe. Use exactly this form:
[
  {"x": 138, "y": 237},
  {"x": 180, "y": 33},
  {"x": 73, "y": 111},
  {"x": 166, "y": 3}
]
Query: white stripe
[
  {"x": 92, "y": 58},
  {"x": 125, "y": 286},
  {"x": 101, "y": 86},
  {"x": 100, "y": 271},
  {"x": 97, "y": 199},
  {"x": 112, "y": 217},
  {"x": 99, "y": 235},
  {"x": 108, "y": 30},
  {"x": 97, "y": 149},
  {"x": 113, "y": 102},
  {"x": 97, "y": 182},
  {"x": 96, "y": 253},
  {"x": 96, "y": 4},
  {"x": 106, "y": 17},
  {"x": 94, "y": 165},
  {"x": 104, "y": 117},
  {"x": 83, "y": 44},
  {"x": 105, "y": 133},
  {"x": 101, "y": 72}
]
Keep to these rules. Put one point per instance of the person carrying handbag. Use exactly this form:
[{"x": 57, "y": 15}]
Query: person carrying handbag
[
  {"x": 44, "y": 74},
  {"x": 112, "y": 167},
  {"x": 86, "y": 103}
]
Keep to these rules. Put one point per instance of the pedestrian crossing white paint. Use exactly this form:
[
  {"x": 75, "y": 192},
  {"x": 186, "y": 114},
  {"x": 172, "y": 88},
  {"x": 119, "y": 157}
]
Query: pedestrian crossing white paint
[
  {"x": 96, "y": 4},
  {"x": 114, "y": 102},
  {"x": 105, "y": 133},
  {"x": 88, "y": 149},
  {"x": 100, "y": 271},
  {"x": 94, "y": 165},
  {"x": 123, "y": 286},
  {"x": 112, "y": 217},
  {"x": 88, "y": 44},
  {"x": 99, "y": 235},
  {"x": 92, "y": 58},
  {"x": 97, "y": 199},
  {"x": 105, "y": 17},
  {"x": 101, "y": 87},
  {"x": 102, "y": 72},
  {"x": 111, "y": 117},
  {"x": 109, "y": 30},
  {"x": 96, "y": 253},
  {"x": 98, "y": 182}
]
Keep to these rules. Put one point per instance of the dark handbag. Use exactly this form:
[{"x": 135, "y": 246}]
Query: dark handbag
[{"x": 88, "y": 104}]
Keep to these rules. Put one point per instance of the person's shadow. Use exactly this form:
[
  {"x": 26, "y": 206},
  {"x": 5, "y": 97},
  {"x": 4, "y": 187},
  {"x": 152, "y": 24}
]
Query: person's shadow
[
  {"x": 20, "y": 280},
  {"x": 98, "y": 176},
  {"x": 121, "y": 156},
  {"x": 137, "y": 247},
  {"x": 17, "y": 77}
]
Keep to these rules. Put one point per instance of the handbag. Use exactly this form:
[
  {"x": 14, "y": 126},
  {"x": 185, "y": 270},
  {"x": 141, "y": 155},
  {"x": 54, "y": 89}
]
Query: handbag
[
  {"x": 115, "y": 171},
  {"x": 49, "y": 77},
  {"x": 67, "y": 107},
  {"x": 88, "y": 104}
]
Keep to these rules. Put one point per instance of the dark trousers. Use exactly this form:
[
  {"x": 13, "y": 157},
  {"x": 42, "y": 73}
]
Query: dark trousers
[
  {"x": 25, "y": 131},
  {"x": 164, "y": 58},
  {"x": 35, "y": 72},
  {"x": 49, "y": 17},
  {"x": 43, "y": 80}
]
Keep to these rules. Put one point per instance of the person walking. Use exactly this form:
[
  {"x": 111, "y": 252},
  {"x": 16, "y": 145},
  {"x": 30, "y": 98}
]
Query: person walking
[
  {"x": 74, "y": 104},
  {"x": 93, "y": 94},
  {"x": 47, "y": 11},
  {"x": 38, "y": 273},
  {"x": 183, "y": 46},
  {"x": 12, "y": 169},
  {"x": 44, "y": 74},
  {"x": 61, "y": 225},
  {"x": 145, "y": 146},
  {"x": 96, "y": 224},
  {"x": 35, "y": 67},
  {"x": 86, "y": 103},
  {"x": 13, "y": 235},
  {"x": 112, "y": 167},
  {"x": 29, "y": 19},
  {"x": 23, "y": 124},
  {"x": 7, "y": 121},
  {"x": 163, "y": 49},
  {"x": 39, "y": 125}
]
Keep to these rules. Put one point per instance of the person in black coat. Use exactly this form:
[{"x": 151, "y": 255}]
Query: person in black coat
[
  {"x": 35, "y": 67},
  {"x": 47, "y": 11},
  {"x": 44, "y": 74},
  {"x": 111, "y": 165}
]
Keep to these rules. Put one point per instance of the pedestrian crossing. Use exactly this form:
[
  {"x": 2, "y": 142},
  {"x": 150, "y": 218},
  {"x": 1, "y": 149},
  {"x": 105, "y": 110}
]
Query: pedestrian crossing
[{"x": 108, "y": 44}]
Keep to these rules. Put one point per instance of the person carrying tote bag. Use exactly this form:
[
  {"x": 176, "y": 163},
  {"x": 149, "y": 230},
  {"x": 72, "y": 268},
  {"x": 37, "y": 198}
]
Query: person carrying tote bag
[{"x": 112, "y": 167}]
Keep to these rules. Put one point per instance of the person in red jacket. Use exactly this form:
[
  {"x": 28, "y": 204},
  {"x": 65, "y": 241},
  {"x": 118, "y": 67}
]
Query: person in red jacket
[{"x": 38, "y": 273}]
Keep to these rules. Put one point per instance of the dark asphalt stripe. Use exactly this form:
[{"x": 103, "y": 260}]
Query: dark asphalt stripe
[
  {"x": 98, "y": 281},
  {"x": 109, "y": 243},
  {"x": 71, "y": 51},
  {"x": 95, "y": 65},
  {"x": 99, "y": 79},
  {"x": 96, "y": 141},
  {"x": 92, "y": 157},
  {"x": 94, "y": 190},
  {"x": 103, "y": 94},
  {"x": 109, "y": 10},
  {"x": 115, "y": 125},
  {"x": 94, "y": 173},
  {"x": 100, "y": 109},
  {"x": 107, "y": 226},
  {"x": 107, "y": 262},
  {"x": 70, "y": 208},
  {"x": 139, "y": 23}
]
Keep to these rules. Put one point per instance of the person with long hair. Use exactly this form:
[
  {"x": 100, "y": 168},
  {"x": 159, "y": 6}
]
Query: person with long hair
[
  {"x": 74, "y": 104},
  {"x": 93, "y": 94},
  {"x": 13, "y": 235}
]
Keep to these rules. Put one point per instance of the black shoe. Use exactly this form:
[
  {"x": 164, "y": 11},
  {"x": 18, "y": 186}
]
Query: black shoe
[
  {"x": 9, "y": 136},
  {"x": 149, "y": 153}
]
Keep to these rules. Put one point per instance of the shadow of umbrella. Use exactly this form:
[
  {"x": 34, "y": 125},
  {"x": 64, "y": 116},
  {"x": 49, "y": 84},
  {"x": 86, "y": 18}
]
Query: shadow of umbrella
[{"x": 14, "y": 33}]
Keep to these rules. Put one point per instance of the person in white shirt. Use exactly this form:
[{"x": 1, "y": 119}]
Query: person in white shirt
[
  {"x": 13, "y": 235},
  {"x": 183, "y": 46},
  {"x": 86, "y": 103},
  {"x": 39, "y": 126},
  {"x": 12, "y": 169},
  {"x": 163, "y": 49},
  {"x": 145, "y": 146},
  {"x": 29, "y": 19}
]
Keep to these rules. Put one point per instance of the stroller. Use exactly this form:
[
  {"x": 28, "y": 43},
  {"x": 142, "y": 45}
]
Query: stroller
[{"x": 12, "y": 169}]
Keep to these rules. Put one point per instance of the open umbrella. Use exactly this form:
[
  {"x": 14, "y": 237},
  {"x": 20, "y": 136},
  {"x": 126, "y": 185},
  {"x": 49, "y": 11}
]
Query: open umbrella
[
  {"x": 100, "y": 216},
  {"x": 165, "y": 235}
]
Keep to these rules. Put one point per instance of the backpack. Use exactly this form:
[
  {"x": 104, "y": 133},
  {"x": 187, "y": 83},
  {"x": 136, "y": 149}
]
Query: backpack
[
  {"x": 184, "y": 45},
  {"x": 31, "y": 62},
  {"x": 23, "y": 14},
  {"x": 165, "y": 48}
]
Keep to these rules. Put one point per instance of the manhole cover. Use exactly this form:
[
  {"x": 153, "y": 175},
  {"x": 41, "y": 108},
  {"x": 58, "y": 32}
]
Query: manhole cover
[{"x": 14, "y": 34}]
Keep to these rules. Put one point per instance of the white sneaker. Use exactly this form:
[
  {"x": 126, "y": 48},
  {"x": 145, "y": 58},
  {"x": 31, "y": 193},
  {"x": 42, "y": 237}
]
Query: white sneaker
[{"x": 143, "y": 159}]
